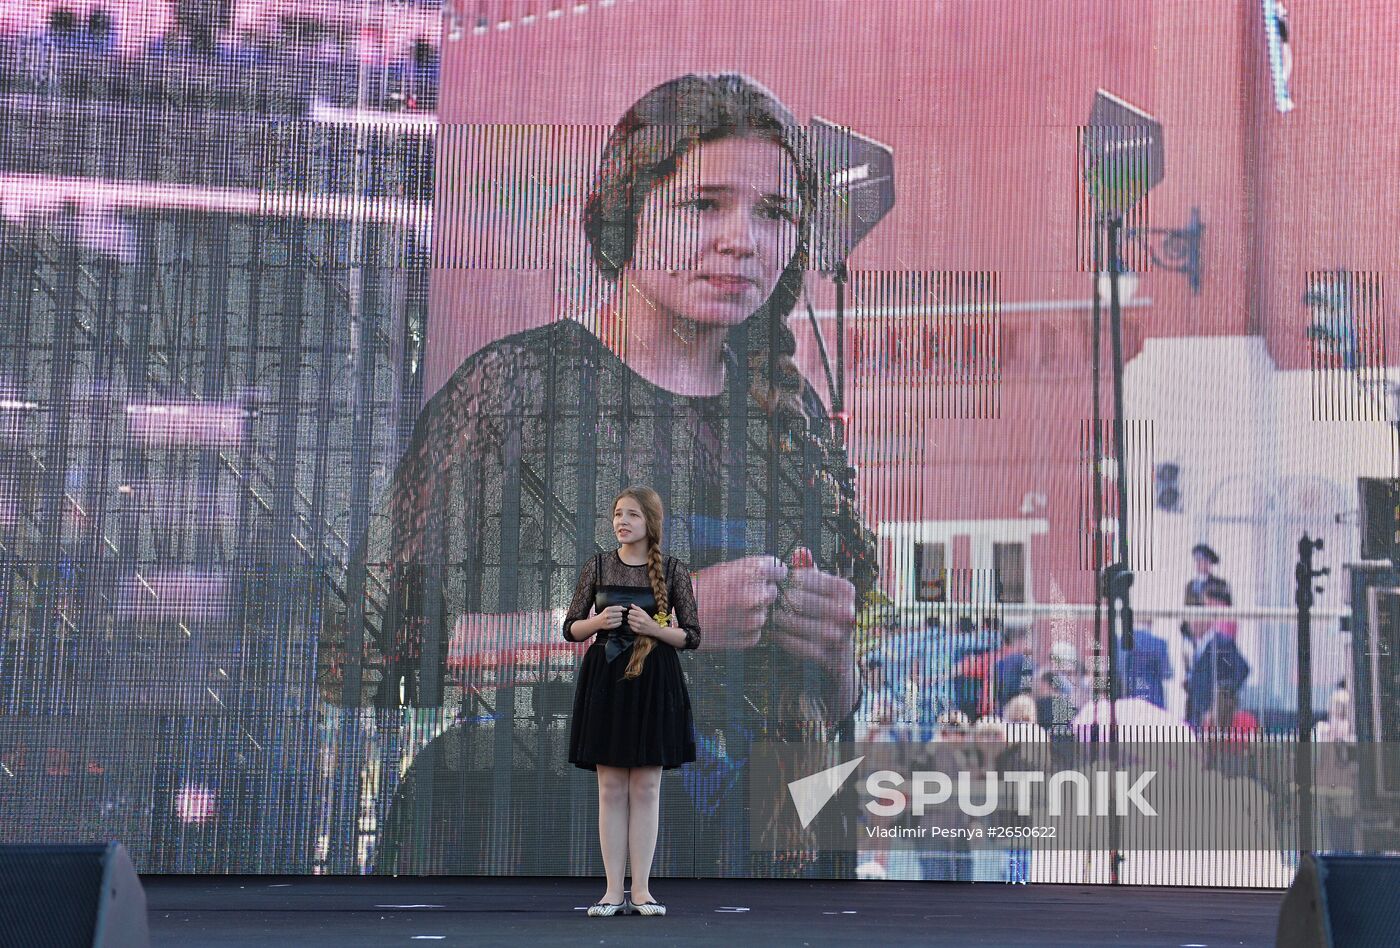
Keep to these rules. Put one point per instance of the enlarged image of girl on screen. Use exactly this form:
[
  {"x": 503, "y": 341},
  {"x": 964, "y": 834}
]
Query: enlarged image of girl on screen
[{"x": 699, "y": 222}]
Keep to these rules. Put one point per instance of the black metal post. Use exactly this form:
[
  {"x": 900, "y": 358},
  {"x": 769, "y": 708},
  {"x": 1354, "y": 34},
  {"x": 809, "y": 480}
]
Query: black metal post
[
  {"x": 1304, "y": 574},
  {"x": 1096, "y": 452},
  {"x": 1101, "y": 575},
  {"x": 845, "y": 555},
  {"x": 1124, "y": 577},
  {"x": 838, "y": 395},
  {"x": 1118, "y": 576}
]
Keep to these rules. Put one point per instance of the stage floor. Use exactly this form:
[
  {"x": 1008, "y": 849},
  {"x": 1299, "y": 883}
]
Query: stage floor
[{"x": 347, "y": 911}]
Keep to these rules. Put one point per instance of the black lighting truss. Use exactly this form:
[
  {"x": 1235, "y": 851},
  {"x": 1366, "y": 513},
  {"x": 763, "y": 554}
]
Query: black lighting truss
[{"x": 305, "y": 329}]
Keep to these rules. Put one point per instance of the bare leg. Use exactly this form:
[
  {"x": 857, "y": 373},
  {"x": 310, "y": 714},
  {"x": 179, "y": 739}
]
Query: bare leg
[
  {"x": 612, "y": 828},
  {"x": 644, "y": 802}
]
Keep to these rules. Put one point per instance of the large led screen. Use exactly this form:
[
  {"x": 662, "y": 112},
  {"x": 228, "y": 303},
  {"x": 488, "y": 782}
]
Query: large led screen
[{"x": 942, "y": 331}]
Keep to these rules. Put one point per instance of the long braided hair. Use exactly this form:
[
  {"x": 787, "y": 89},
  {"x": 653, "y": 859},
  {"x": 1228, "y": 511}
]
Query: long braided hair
[{"x": 650, "y": 502}]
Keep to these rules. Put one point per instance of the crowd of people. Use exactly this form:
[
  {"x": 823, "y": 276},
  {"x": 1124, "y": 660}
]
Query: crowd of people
[
  {"x": 971, "y": 682},
  {"x": 921, "y": 677},
  {"x": 923, "y": 681}
]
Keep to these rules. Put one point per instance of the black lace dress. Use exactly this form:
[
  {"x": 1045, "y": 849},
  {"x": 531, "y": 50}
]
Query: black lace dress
[{"x": 644, "y": 721}]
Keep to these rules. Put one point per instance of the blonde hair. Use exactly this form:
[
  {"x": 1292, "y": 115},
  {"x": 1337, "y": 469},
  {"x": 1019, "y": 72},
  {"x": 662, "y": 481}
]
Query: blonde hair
[{"x": 650, "y": 502}]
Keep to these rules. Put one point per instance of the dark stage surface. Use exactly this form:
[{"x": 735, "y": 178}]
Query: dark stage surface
[{"x": 350, "y": 911}]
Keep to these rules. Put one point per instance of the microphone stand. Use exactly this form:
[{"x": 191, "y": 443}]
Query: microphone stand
[
  {"x": 847, "y": 520},
  {"x": 1304, "y": 574},
  {"x": 848, "y": 523},
  {"x": 1117, "y": 577},
  {"x": 846, "y": 510}
]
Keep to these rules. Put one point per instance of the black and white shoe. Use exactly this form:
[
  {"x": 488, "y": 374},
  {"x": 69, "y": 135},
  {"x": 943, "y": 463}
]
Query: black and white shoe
[
  {"x": 646, "y": 908},
  {"x": 606, "y": 909}
]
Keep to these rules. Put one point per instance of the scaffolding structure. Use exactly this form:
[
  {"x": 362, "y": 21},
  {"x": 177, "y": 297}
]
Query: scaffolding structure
[{"x": 214, "y": 320}]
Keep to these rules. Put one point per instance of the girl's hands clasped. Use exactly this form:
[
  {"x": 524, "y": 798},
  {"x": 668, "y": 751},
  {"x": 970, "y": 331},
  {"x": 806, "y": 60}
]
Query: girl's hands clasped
[
  {"x": 816, "y": 620},
  {"x": 734, "y": 598},
  {"x": 813, "y": 613},
  {"x": 610, "y": 618},
  {"x": 640, "y": 622}
]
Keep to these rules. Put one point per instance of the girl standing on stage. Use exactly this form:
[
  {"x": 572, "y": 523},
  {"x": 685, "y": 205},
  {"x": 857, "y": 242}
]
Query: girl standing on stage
[{"x": 631, "y": 709}]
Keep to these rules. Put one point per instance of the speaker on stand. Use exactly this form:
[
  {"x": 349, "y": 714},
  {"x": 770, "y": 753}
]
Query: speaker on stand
[
  {"x": 83, "y": 896},
  {"x": 1379, "y": 517},
  {"x": 1342, "y": 902}
]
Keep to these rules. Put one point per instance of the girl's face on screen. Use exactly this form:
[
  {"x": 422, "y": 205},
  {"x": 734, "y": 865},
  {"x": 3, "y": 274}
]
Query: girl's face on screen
[
  {"x": 713, "y": 239},
  {"x": 629, "y": 523}
]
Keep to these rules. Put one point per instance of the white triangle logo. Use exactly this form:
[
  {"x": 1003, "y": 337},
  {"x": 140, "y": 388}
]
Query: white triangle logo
[{"x": 810, "y": 794}]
